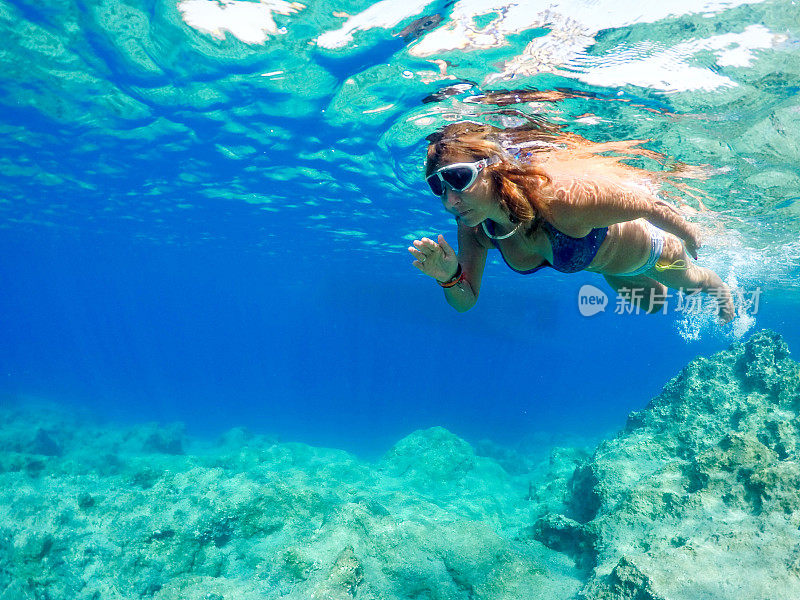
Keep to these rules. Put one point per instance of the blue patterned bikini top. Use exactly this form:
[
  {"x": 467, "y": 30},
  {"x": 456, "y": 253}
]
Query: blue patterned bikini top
[{"x": 570, "y": 254}]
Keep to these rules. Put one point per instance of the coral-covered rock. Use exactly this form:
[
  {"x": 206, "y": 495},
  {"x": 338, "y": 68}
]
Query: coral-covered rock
[
  {"x": 702, "y": 483},
  {"x": 430, "y": 457}
]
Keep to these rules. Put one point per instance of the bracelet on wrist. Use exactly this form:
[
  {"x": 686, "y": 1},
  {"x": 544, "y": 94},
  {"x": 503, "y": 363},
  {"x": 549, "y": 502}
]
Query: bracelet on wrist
[{"x": 454, "y": 280}]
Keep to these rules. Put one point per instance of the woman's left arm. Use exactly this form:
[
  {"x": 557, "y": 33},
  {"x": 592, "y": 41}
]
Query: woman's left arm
[{"x": 590, "y": 204}]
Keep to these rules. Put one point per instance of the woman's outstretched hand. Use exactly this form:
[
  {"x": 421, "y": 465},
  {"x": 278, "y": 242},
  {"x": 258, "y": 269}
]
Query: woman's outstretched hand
[{"x": 437, "y": 260}]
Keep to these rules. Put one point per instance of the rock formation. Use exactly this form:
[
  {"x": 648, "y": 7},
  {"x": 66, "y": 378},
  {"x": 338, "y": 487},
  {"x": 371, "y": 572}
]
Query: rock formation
[{"x": 697, "y": 498}]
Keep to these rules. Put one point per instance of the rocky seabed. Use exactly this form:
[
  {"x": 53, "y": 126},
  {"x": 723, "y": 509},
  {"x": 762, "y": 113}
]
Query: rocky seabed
[{"x": 698, "y": 498}]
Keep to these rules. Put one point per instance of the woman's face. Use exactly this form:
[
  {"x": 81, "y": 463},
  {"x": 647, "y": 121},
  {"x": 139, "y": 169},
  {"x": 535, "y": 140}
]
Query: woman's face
[{"x": 474, "y": 204}]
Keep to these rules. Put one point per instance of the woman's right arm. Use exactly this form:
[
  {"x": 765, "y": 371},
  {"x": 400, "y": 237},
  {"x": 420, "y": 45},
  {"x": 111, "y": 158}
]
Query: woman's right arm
[
  {"x": 440, "y": 259},
  {"x": 472, "y": 258}
]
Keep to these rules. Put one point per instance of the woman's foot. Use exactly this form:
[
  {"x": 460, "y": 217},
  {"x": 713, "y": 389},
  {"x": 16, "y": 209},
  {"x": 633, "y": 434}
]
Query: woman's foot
[{"x": 726, "y": 310}]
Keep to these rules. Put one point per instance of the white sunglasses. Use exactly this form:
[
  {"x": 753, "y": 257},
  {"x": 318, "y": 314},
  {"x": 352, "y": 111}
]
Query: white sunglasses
[{"x": 457, "y": 176}]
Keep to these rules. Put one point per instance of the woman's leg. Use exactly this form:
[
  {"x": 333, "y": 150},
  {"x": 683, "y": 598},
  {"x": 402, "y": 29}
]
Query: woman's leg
[{"x": 692, "y": 277}]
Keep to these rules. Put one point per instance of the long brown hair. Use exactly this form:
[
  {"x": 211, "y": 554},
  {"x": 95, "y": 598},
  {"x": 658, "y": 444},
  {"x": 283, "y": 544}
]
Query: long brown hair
[
  {"x": 531, "y": 153},
  {"x": 516, "y": 184}
]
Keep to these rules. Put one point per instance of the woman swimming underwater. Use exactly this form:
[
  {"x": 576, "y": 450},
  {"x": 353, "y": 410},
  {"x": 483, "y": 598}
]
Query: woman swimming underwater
[{"x": 546, "y": 198}]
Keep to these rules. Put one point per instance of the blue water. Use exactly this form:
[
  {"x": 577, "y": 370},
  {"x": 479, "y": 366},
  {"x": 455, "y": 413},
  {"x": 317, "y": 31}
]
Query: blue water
[{"x": 186, "y": 239}]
